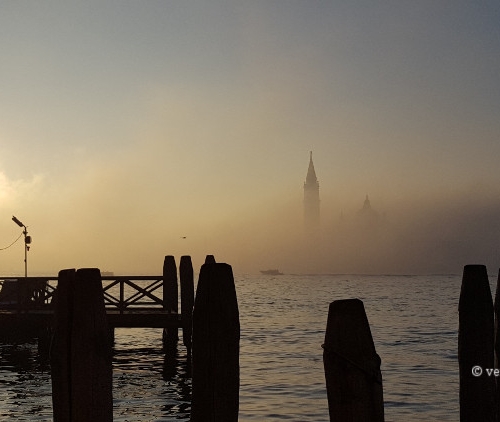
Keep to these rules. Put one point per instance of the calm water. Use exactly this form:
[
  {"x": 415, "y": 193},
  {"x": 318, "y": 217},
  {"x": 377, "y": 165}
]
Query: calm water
[{"x": 414, "y": 321}]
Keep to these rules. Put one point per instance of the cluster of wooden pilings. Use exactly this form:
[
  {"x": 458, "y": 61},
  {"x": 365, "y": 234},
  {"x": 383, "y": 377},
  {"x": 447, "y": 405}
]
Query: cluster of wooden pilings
[
  {"x": 171, "y": 303},
  {"x": 81, "y": 349}
]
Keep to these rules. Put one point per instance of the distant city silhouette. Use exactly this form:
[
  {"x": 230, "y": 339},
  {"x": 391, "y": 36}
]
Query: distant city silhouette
[{"x": 366, "y": 217}]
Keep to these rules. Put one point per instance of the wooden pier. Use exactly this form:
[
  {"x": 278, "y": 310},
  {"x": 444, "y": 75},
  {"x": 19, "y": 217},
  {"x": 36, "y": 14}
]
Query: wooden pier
[
  {"x": 78, "y": 309},
  {"x": 27, "y": 304}
]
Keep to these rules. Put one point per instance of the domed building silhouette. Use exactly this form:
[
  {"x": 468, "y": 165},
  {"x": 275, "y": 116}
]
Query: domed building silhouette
[{"x": 367, "y": 217}]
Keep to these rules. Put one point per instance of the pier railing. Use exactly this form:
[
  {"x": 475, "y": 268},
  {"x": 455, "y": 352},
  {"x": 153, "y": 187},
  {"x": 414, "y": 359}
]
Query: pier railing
[
  {"x": 127, "y": 293},
  {"x": 124, "y": 293}
]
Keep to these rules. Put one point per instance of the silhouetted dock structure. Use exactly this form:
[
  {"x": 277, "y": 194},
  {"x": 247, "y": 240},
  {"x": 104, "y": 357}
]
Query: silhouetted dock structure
[
  {"x": 76, "y": 311},
  {"x": 27, "y": 304}
]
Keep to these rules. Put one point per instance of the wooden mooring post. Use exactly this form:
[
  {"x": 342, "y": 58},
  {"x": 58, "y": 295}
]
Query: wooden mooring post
[
  {"x": 187, "y": 300},
  {"x": 170, "y": 300},
  {"x": 476, "y": 347},
  {"x": 209, "y": 259},
  {"x": 216, "y": 342},
  {"x": 496, "y": 309},
  {"x": 81, "y": 355},
  {"x": 352, "y": 366}
]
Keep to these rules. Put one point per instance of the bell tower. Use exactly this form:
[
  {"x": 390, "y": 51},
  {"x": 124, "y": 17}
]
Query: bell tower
[{"x": 311, "y": 198}]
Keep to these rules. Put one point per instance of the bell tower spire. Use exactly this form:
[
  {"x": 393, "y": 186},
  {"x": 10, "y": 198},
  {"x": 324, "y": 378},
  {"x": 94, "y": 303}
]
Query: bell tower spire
[{"x": 311, "y": 198}]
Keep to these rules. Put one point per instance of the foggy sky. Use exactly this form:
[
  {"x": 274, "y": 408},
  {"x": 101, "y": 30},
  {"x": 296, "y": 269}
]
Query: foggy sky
[{"x": 126, "y": 126}]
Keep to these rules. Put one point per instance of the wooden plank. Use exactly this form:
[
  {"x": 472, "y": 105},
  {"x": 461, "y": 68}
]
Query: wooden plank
[
  {"x": 139, "y": 317},
  {"x": 216, "y": 336},
  {"x": 61, "y": 348},
  {"x": 352, "y": 366},
  {"x": 170, "y": 287},
  {"x": 476, "y": 346},
  {"x": 150, "y": 320},
  {"x": 119, "y": 278},
  {"x": 81, "y": 354},
  {"x": 91, "y": 353},
  {"x": 144, "y": 292},
  {"x": 170, "y": 300},
  {"x": 187, "y": 300},
  {"x": 496, "y": 309}
]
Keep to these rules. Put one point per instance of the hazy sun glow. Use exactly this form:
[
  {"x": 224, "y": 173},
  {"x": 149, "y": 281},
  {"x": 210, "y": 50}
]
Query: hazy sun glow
[{"x": 4, "y": 189}]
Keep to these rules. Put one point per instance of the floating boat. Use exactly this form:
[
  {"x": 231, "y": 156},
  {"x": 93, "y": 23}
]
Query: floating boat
[{"x": 271, "y": 272}]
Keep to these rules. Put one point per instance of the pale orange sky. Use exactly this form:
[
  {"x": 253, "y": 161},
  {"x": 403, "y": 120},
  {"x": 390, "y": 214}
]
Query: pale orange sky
[{"x": 125, "y": 126}]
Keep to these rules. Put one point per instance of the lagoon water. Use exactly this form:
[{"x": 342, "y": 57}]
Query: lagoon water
[{"x": 413, "y": 319}]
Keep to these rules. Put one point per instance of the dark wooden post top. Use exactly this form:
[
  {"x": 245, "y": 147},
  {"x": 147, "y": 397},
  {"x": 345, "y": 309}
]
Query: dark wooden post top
[
  {"x": 352, "y": 366},
  {"x": 476, "y": 346}
]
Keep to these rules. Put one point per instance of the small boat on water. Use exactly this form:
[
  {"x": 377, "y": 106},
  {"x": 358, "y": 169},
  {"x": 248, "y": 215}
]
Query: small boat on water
[{"x": 271, "y": 272}]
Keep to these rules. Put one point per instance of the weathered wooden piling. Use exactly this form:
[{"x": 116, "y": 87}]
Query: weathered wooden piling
[
  {"x": 352, "y": 366},
  {"x": 81, "y": 355},
  {"x": 209, "y": 259},
  {"x": 476, "y": 347},
  {"x": 44, "y": 339},
  {"x": 111, "y": 332},
  {"x": 170, "y": 299},
  {"x": 216, "y": 340},
  {"x": 187, "y": 300},
  {"x": 496, "y": 308}
]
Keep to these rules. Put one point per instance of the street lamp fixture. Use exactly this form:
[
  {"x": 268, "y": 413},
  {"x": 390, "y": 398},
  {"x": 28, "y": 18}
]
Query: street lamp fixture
[
  {"x": 15, "y": 220},
  {"x": 27, "y": 241}
]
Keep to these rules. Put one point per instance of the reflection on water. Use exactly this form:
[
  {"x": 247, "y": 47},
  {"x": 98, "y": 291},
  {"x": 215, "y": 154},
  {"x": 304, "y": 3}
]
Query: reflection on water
[
  {"x": 414, "y": 323},
  {"x": 147, "y": 384},
  {"x": 24, "y": 383}
]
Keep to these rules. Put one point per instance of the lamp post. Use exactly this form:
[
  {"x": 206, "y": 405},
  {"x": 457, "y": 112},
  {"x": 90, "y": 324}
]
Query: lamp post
[{"x": 27, "y": 241}]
